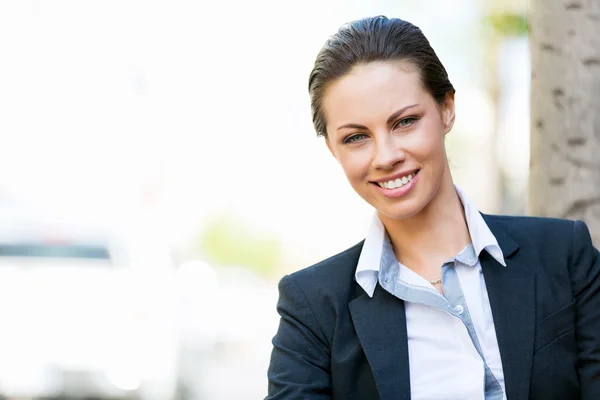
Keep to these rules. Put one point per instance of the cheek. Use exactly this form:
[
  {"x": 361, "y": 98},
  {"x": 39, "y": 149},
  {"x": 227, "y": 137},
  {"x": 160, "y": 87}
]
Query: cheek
[
  {"x": 430, "y": 144},
  {"x": 355, "y": 164}
]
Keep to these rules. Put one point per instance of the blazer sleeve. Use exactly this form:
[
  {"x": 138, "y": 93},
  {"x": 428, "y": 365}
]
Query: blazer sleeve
[
  {"x": 300, "y": 360},
  {"x": 585, "y": 280}
]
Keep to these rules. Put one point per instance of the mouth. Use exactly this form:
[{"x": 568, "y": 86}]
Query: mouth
[{"x": 397, "y": 182}]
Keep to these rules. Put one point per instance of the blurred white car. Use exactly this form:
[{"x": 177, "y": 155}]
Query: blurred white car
[{"x": 85, "y": 314}]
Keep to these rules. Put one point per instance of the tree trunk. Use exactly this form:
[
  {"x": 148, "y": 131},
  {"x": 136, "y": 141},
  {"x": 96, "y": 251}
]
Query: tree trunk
[{"x": 564, "y": 178}]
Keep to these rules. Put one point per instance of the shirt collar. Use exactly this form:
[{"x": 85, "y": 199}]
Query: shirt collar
[
  {"x": 481, "y": 235},
  {"x": 370, "y": 259},
  {"x": 367, "y": 269}
]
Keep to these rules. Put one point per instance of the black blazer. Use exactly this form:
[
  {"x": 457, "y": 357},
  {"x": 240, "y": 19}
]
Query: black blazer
[{"x": 335, "y": 342}]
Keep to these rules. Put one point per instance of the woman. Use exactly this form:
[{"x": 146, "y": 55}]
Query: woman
[{"x": 439, "y": 301}]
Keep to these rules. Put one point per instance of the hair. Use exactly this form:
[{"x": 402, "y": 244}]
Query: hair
[{"x": 369, "y": 40}]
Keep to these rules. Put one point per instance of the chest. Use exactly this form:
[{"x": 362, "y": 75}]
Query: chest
[{"x": 451, "y": 339}]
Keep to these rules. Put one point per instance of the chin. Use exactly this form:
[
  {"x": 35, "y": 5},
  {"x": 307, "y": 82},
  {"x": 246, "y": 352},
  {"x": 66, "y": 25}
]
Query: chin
[
  {"x": 395, "y": 216},
  {"x": 399, "y": 213}
]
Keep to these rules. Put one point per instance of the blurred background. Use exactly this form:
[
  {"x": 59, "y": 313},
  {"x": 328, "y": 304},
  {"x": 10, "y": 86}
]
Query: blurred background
[{"x": 159, "y": 173}]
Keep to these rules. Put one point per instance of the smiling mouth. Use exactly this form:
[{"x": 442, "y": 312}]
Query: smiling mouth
[{"x": 398, "y": 182}]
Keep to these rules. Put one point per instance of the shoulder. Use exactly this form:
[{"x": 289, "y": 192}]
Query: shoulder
[
  {"x": 322, "y": 290},
  {"x": 528, "y": 221},
  {"x": 332, "y": 275},
  {"x": 549, "y": 237},
  {"x": 532, "y": 228},
  {"x": 337, "y": 266}
]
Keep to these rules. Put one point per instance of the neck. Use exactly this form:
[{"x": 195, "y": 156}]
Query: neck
[{"x": 424, "y": 241}]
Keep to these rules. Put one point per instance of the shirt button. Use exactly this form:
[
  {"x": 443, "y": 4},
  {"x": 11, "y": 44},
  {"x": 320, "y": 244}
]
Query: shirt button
[{"x": 459, "y": 309}]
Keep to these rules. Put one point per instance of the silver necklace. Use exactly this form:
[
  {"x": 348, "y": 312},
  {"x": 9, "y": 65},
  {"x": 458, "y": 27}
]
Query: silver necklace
[{"x": 436, "y": 281}]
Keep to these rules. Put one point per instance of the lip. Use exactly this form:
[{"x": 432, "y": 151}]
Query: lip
[
  {"x": 398, "y": 192},
  {"x": 397, "y": 175}
]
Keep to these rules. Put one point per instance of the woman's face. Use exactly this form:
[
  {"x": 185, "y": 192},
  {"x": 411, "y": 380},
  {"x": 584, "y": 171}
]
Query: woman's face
[{"x": 387, "y": 132}]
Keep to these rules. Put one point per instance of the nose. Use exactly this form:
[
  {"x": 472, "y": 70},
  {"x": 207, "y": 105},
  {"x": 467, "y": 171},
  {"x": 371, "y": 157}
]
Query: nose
[{"x": 387, "y": 153}]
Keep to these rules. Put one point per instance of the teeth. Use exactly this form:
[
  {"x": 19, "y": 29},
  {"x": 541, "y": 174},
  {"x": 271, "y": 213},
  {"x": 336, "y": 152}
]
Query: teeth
[{"x": 397, "y": 182}]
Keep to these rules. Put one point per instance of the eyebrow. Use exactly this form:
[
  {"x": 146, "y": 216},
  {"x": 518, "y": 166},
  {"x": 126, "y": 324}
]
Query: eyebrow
[{"x": 390, "y": 119}]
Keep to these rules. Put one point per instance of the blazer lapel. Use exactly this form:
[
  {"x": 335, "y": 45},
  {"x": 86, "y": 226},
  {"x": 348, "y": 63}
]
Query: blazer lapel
[
  {"x": 511, "y": 292},
  {"x": 380, "y": 324}
]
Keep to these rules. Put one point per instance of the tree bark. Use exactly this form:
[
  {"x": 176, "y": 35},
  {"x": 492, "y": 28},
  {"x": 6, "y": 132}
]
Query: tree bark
[{"x": 564, "y": 178}]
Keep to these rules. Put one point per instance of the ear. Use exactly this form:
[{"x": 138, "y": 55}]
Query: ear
[{"x": 448, "y": 113}]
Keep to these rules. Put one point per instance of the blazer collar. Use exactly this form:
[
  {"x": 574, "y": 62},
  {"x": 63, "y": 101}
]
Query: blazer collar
[
  {"x": 498, "y": 228},
  {"x": 511, "y": 292}
]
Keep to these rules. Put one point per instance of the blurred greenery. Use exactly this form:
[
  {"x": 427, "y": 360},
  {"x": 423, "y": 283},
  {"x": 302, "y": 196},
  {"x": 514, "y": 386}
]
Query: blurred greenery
[
  {"x": 507, "y": 24},
  {"x": 228, "y": 241}
]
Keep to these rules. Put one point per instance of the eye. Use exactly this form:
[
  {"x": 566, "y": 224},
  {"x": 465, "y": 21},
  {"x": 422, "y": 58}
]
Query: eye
[
  {"x": 405, "y": 122},
  {"x": 354, "y": 138}
]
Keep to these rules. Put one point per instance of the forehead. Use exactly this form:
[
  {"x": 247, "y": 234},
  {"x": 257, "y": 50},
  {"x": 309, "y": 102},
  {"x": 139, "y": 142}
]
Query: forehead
[{"x": 372, "y": 90}]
